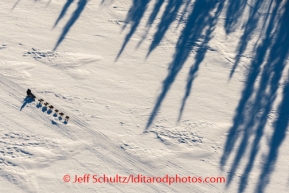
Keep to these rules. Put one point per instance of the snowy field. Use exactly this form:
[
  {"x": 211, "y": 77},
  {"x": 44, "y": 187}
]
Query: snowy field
[{"x": 161, "y": 89}]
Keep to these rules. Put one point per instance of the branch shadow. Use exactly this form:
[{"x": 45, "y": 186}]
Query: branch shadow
[
  {"x": 233, "y": 15},
  {"x": 250, "y": 26},
  {"x": 103, "y": 1},
  {"x": 199, "y": 19},
  {"x": 63, "y": 11},
  {"x": 256, "y": 103},
  {"x": 151, "y": 19},
  {"x": 169, "y": 16},
  {"x": 133, "y": 18},
  {"x": 200, "y": 55},
  {"x": 15, "y": 5},
  {"x": 182, "y": 18},
  {"x": 48, "y": 3},
  {"x": 281, "y": 49},
  {"x": 80, "y": 7}
]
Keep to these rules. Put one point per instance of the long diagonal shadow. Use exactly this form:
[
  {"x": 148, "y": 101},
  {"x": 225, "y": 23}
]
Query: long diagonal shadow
[
  {"x": 277, "y": 139},
  {"x": 234, "y": 12},
  {"x": 155, "y": 11},
  {"x": 151, "y": 19},
  {"x": 15, "y": 5},
  {"x": 257, "y": 102},
  {"x": 281, "y": 49},
  {"x": 201, "y": 52},
  {"x": 167, "y": 19},
  {"x": 250, "y": 26},
  {"x": 48, "y": 3},
  {"x": 184, "y": 11},
  {"x": 190, "y": 34},
  {"x": 63, "y": 11},
  {"x": 134, "y": 17},
  {"x": 240, "y": 117},
  {"x": 72, "y": 20}
]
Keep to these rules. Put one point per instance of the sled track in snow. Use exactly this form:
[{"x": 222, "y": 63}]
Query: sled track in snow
[
  {"x": 118, "y": 158},
  {"x": 102, "y": 147}
]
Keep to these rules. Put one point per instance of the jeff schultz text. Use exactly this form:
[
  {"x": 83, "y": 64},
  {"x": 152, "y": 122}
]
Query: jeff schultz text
[{"x": 168, "y": 179}]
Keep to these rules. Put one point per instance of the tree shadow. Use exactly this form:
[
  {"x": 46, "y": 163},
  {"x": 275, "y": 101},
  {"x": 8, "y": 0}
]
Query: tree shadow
[
  {"x": 80, "y": 7},
  {"x": 250, "y": 26},
  {"x": 133, "y": 18},
  {"x": 199, "y": 20},
  {"x": 235, "y": 10},
  {"x": 169, "y": 16},
  {"x": 200, "y": 54},
  {"x": 102, "y": 1},
  {"x": 281, "y": 49},
  {"x": 196, "y": 26},
  {"x": 182, "y": 18},
  {"x": 280, "y": 127},
  {"x": 26, "y": 101},
  {"x": 155, "y": 12},
  {"x": 63, "y": 11},
  {"x": 15, "y": 5},
  {"x": 48, "y": 3},
  {"x": 256, "y": 103},
  {"x": 151, "y": 19}
]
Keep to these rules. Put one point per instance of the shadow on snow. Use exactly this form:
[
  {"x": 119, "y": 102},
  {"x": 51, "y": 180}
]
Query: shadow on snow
[
  {"x": 133, "y": 18},
  {"x": 199, "y": 26},
  {"x": 262, "y": 81},
  {"x": 63, "y": 11},
  {"x": 26, "y": 101},
  {"x": 169, "y": 16},
  {"x": 15, "y": 5},
  {"x": 257, "y": 99},
  {"x": 264, "y": 75},
  {"x": 80, "y": 7},
  {"x": 249, "y": 27},
  {"x": 202, "y": 48},
  {"x": 199, "y": 18}
]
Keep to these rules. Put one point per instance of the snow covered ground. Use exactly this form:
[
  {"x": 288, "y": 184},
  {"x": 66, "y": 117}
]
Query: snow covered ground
[{"x": 164, "y": 87}]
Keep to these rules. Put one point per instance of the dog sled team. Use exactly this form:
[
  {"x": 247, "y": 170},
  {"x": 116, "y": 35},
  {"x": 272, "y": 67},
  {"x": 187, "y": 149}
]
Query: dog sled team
[{"x": 51, "y": 107}]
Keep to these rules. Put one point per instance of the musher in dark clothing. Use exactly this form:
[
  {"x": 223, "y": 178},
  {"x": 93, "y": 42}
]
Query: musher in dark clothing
[{"x": 29, "y": 93}]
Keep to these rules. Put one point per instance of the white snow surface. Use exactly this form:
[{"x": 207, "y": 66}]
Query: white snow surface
[{"x": 190, "y": 88}]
